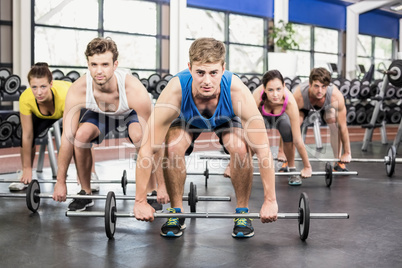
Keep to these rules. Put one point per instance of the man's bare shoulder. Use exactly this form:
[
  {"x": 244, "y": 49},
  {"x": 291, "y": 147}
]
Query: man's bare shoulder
[
  {"x": 172, "y": 92},
  {"x": 78, "y": 88}
]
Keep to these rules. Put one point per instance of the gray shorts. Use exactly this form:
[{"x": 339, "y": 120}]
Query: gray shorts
[{"x": 282, "y": 124}]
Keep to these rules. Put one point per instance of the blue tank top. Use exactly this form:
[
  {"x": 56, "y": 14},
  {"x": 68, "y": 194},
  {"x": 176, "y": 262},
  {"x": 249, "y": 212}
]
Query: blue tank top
[{"x": 189, "y": 112}]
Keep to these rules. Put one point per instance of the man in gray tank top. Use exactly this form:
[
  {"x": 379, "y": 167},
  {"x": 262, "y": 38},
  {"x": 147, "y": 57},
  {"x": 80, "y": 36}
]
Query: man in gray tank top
[{"x": 319, "y": 95}]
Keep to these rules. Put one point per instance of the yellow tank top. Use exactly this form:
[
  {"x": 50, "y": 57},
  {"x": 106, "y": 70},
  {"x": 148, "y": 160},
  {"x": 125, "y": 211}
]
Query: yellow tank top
[{"x": 28, "y": 104}]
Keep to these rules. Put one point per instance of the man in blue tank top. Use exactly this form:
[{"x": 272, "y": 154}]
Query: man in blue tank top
[
  {"x": 319, "y": 95},
  {"x": 206, "y": 97}
]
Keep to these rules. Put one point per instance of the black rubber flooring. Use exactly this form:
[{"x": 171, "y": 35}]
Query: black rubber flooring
[{"x": 371, "y": 237}]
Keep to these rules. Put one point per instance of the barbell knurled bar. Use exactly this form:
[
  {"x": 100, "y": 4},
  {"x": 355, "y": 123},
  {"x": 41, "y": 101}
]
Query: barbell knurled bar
[{"x": 303, "y": 216}]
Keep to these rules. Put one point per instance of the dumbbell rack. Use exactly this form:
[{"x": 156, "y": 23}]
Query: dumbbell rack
[{"x": 368, "y": 135}]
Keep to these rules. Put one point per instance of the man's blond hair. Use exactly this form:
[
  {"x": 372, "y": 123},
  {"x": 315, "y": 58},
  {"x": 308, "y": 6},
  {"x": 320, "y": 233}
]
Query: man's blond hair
[{"x": 207, "y": 50}]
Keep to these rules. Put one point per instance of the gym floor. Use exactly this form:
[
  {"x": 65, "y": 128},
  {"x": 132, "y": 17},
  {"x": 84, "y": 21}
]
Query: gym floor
[{"x": 369, "y": 238}]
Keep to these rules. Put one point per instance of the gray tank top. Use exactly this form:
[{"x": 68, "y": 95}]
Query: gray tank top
[{"x": 307, "y": 105}]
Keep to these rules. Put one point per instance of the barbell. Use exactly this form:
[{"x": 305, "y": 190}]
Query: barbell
[
  {"x": 33, "y": 196},
  {"x": 123, "y": 181},
  {"x": 328, "y": 173},
  {"x": 303, "y": 215},
  {"x": 389, "y": 160}
]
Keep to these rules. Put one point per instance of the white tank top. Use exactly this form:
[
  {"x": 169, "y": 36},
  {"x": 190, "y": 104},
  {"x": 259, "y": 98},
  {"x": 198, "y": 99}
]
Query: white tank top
[{"x": 123, "y": 108}]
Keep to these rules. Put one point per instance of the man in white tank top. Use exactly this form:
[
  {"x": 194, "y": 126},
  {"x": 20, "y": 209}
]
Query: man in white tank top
[{"x": 112, "y": 98}]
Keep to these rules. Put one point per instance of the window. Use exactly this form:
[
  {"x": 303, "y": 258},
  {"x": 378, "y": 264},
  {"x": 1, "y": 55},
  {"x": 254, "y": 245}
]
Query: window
[
  {"x": 205, "y": 23},
  {"x": 62, "y": 30},
  {"x": 6, "y": 37},
  {"x": 374, "y": 50},
  {"x": 317, "y": 47},
  {"x": 243, "y": 36}
]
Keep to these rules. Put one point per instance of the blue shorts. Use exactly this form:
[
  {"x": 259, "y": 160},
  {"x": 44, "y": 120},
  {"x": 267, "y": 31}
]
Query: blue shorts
[
  {"x": 106, "y": 123},
  {"x": 235, "y": 122}
]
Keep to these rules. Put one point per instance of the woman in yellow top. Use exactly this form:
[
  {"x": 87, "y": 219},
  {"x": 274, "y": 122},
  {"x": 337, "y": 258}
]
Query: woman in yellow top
[{"x": 40, "y": 106}]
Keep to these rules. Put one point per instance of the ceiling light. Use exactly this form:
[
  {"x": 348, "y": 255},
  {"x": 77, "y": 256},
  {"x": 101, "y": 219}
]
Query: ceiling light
[{"x": 396, "y": 8}]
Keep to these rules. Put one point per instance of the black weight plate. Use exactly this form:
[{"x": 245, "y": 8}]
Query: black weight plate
[
  {"x": 13, "y": 118},
  {"x": 136, "y": 75},
  {"x": 4, "y": 73},
  {"x": 12, "y": 84},
  {"x": 354, "y": 91},
  {"x": 244, "y": 79},
  {"x": 160, "y": 86},
  {"x": 398, "y": 93},
  {"x": 33, "y": 201},
  {"x": 395, "y": 117},
  {"x": 18, "y": 132},
  {"x": 364, "y": 91},
  {"x": 252, "y": 85},
  {"x": 110, "y": 216},
  {"x": 57, "y": 74},
  {"x": 344, "y": 89},
  {"x": 145, "y": 83},
  {"x": 256, "y": 80},
  {"x": 350, "y": 117},
  {"x": 296, "y": 81},
  {"x": 396, "y": 78},
  {"x": 73, "y": 75},
  {"x": 167, "y": 77},
  {"x": 153, "y": 79},
  {"x": 390, "y": 165},
  {"x": 124, "y": 182},
  {"x": 390, "y": 92},
  {"x": 66, "y": 78},
  {"x": 6, "y": 130},
  {"x": 336, "y": 82},
  {"x": 328, "y": 174},
  {"x": 192, "y": 197},
  {"x": 304, "y": 216}
]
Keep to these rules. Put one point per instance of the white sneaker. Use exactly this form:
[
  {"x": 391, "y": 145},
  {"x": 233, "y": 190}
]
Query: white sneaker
[
  {"x": 94, "y": 186},
  {"x": 18, "y": 186}
]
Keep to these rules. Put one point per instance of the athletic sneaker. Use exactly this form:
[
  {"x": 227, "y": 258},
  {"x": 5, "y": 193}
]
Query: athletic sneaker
[
  {"x": 284, "y": 167},
  {"x": 174, "y": 226},
  {"x": 242, "y": 226},
  {"x": 80, "y": 204},
  {"x": 154, "y": 203},
  {"x": 339, "y": 166},
  {"x": 294, "y": 180},
  {"x": 94, "y": 186},
  {"x": 18, "y": 186}
]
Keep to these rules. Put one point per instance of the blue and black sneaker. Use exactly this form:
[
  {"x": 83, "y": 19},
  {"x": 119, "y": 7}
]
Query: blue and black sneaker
[
  {"x": 174, "y": 226},
  {"x": 242, "y": 227}
]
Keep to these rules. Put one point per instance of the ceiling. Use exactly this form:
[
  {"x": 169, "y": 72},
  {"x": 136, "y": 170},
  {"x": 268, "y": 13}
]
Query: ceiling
[{"x": 386, "y": 8}]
